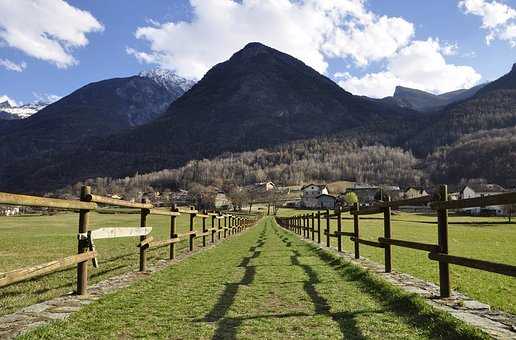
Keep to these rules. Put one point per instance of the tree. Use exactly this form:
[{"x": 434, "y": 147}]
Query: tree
[{"x": 351, "y": 198}]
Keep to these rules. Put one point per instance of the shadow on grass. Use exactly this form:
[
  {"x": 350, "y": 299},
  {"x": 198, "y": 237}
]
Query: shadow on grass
[
  {"x": 410, "y": 307},
  {"x": 346, "y": 320},
  {"x": 227, "y": 327}
]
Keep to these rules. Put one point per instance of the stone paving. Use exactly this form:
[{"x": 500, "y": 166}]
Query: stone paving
[
  {"x": 498, "y": 324},
  {"x": 36, "y": 315}
]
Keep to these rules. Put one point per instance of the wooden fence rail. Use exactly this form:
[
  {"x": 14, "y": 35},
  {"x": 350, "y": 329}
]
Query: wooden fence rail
[
  {"x": 86, "y": 238},
  {"x": 300, "y": 224}
]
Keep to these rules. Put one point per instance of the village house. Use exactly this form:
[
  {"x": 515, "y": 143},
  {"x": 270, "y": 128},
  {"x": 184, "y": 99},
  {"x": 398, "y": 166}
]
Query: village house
[
  {"x": 262, "y": 187},
  {"x": 415, "y": 192},
  {"x": 9, "y": 211},
  {"x": 310, "y": 194},
  {"x": 366, "y": 193},
  {"x": 326, "y": 201},
  {"x": 474, "y": 190},
  {"x": 222, "y": 201}
]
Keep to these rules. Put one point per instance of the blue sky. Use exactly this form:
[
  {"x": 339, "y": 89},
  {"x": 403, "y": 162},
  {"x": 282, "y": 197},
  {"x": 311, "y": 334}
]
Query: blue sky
[{"x": 368, "y": 47}]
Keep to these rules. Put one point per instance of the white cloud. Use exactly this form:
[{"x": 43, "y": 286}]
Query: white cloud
[
  {"x": 4, "y": 98},
  {"x": 498, "y": 19},
  {"x": 311, "y": 30},
  {"x": 450, "y": 49},
  {"x": 12, "y": 66},
  {"x": 46, "y": 98},
  {"x": 46, "y": 29},
  {"x": 420, "y": 65}
]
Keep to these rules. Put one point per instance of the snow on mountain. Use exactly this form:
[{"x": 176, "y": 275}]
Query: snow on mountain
[
  {"x": 168, "y": 79},
  {"x": 8, "y": 112}
]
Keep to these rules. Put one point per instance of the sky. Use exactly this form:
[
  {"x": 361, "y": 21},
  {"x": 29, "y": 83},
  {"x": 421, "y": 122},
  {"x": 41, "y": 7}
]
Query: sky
[{"x": 49, "y": 48}]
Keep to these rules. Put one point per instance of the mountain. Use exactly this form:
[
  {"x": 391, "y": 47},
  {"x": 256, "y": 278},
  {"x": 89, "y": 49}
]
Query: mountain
[
  {"x": 95, "y": 110},
  {"x": 427, "y": 102},
  {"x": 259, "y": 97},
  {"x": 9, "y": 112},
  {"x": 492, "y": 107}
]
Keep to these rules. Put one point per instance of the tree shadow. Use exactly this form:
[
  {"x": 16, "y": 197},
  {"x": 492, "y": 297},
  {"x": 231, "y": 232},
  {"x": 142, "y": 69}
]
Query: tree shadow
[{"x": 409, "y": 307}]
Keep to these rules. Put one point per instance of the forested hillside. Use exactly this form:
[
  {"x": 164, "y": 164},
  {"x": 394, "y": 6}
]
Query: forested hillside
[{"x": 315, "y": 160}]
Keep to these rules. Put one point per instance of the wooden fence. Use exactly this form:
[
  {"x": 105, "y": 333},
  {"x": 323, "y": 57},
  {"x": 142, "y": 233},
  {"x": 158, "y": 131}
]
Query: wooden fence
[
  {"x": 86, "y": 238},
  {"x": 309, "y": 226}
]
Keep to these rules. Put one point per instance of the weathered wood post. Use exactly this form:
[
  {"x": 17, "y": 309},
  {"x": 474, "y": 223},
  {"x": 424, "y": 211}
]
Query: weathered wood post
[
  {"x": 226, "y": 224},
  {"x": 442, "y": 242},
  {"x": 204, "y": 231},
  {"x": 328, "y": 243},
  {"x": 192, "y": 236},
  {"x": 82, "y": 267},
  {"x": 212, "y": 228},
  {"x": 313, "y": 226},
  {"x": 305, "y": 226},
  {"x": 356, "y": 231},
  {"x": 339, "y": 229},
  {"x": 387, "y": 235},
  {"x": 143, "y": 224},
  {"x": 173, "y": 233},
  {"x": 219, "y": 224},
  {"x": 318, "y": 227}
]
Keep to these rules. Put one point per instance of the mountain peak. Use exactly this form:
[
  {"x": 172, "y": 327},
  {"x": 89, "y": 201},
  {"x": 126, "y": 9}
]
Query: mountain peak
[
  {"x": 5, "y": 105},
  {"x": 167, "y": 78}
]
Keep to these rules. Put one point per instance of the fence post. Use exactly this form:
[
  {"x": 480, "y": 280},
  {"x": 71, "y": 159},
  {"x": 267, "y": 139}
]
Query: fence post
[
  {"x": 226, "y": 224},
  {"x": 173, "y": 233},
  {"x": 143, "y": 224},
  {"x": 356, "y": 231},
  {"x": 328, "y": 244},
  {"x": 218, "y": 224},
  {"x": 339, "y": 230},
  {"x": 442, "y": 242},
  {"x": 318, "y": 226},
  {"x": 192, "y": 236},
  {"x": 204, "y": 231},
  {"x": 387, "y": 235},
  {"x": 305, "y": 226},
  {"x": 212, "y": 228},
  {"x": 82, "y": 267},
  {"x": 313, "y": 227}
]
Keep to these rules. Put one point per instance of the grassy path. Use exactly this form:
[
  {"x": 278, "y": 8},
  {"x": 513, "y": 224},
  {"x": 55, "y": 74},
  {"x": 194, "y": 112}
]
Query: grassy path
[{"x": 266, "y": 284}]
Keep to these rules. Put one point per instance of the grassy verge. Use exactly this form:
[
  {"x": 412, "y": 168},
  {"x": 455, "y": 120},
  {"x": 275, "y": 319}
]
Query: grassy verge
[
  {"x": 31, "y": 240},
  {"x": 486, "y": 238},
  {"x": 266, "y": 284}
]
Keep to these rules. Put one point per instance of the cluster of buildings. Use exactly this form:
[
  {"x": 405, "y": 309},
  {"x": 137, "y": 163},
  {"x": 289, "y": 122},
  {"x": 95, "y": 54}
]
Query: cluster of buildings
[
  {"x": 9, "y": 211},
  {"x": 317, "y": 196}
]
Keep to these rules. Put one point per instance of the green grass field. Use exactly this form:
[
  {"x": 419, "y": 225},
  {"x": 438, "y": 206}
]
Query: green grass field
[
  {"x": 265, "y": 284},
  {"x": 32, "y": 240},
  {"x": 485, "y": 238}
]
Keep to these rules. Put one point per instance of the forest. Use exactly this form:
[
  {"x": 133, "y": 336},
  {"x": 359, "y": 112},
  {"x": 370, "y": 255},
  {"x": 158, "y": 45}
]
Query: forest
[{"x": 315, "y": 160}]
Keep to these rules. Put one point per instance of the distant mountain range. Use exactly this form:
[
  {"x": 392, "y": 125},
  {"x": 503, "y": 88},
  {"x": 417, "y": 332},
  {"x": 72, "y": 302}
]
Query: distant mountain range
[
  {"x": 95, "y": 110},
  {"x": 258, "y": 98},
  {"x": 427, "y": 102},
  {"x": 9, "y": 112}
]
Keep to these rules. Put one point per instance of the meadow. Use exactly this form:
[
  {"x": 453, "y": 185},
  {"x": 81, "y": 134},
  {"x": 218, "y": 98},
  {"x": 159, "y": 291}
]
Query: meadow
[
  {"x": 34, "y": 239},
  {"x": 262, "y": 284},
  {"x": 485, "y": 238}
]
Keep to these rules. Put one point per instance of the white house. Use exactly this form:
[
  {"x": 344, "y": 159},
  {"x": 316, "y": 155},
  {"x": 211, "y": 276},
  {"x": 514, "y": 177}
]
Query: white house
[
  {"x": 263, "y": 187},
  {"x": 479, "y": 190},
  {"x": 9, "y": 211},
  {"x": 311, "y": 192}
]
